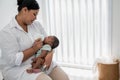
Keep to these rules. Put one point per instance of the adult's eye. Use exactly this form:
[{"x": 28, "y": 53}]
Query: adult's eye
[{"x": 34, "y": 14}]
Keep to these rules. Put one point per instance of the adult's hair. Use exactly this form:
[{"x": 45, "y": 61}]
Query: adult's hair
[
  {"x": 30, "y": 4},
  {"x": 55, "y": 42}
]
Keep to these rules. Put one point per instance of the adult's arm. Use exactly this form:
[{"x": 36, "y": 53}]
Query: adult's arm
[
  {"x": 48, "y": 59},
  {"x": 11, "y": 53},
  {"x": 29, "y": 52}
]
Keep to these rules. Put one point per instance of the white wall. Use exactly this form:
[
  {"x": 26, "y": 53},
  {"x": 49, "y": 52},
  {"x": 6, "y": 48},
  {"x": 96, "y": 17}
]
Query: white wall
[{"x": 7, "y": 11}]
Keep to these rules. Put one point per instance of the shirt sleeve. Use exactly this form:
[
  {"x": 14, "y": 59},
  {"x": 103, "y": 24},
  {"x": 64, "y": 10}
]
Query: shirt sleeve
[
  {"x": 10, "y": 49},
  {"x": 19, "y": 58}
]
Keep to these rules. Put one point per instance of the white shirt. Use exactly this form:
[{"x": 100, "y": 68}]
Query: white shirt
[{"x": 14, "y": 40}]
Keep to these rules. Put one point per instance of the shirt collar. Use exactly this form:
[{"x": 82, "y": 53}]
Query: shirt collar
[{"x": 16, "y": 25}]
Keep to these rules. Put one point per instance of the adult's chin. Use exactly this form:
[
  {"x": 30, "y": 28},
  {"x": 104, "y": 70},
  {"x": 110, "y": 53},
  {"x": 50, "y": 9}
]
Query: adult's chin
[{"x": 30, "y": 23}]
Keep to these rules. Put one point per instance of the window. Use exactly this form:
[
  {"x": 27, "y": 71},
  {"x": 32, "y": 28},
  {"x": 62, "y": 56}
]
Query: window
[{"x": 83, "y": 27}]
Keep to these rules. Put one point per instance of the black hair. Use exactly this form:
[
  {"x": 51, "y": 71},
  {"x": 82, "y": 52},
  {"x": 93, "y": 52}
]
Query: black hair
[
  {"x": 55, "y": 42},
  {"x": 30, "y": 4}
]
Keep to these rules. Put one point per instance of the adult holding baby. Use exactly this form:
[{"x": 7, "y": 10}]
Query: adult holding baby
[{"x": 18, "y": 45}]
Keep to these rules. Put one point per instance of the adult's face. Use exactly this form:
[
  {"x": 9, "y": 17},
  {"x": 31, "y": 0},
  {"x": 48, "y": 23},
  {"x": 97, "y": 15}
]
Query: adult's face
[{"x": 29, "y": 16}]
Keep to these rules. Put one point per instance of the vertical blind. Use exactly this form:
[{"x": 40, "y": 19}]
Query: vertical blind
[{"x": 83, "y": 28}]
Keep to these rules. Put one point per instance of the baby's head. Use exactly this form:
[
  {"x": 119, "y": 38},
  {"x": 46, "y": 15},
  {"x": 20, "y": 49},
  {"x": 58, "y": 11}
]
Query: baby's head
[{"x": 52, "y": 41}]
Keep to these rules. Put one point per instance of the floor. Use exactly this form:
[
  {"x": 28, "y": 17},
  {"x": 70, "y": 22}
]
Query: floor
[
  {"x": 80, "y": 74},
  {"x": 77, "y": 74}
]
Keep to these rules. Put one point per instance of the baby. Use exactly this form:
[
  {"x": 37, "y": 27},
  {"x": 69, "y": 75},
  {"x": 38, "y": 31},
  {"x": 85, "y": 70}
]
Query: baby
[{"x": 38, "y": 63}]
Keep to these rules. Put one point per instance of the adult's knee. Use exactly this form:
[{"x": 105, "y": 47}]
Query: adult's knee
[
  {"x": 43, "y": 76},
  {"x": 58, "y": 74}
]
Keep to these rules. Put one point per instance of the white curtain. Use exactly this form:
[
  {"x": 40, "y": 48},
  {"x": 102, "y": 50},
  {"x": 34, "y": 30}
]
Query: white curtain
[{"x": 83, "y": 28}]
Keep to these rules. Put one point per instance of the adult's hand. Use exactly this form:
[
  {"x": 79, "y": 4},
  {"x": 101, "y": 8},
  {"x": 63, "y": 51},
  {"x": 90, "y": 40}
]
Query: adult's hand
[
  {"x": 37, "y": 44},
  {"x": 31, "y": 51}
]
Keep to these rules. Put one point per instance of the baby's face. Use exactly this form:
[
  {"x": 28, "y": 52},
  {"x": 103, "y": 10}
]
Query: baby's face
[{"x": 49, "y": 40}]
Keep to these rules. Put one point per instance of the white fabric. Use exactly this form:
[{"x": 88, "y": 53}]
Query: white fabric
[
  {"x": 52, "y": 66},
  {"x": 44, "y": 47},
  {"x": 19, "y": 58},
  {"x": 14, "y": 40}
]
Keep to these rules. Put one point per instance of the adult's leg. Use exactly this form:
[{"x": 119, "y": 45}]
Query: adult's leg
[
  {"x": 58, "y": 74},
  {"x": 43, "y": 76}
]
